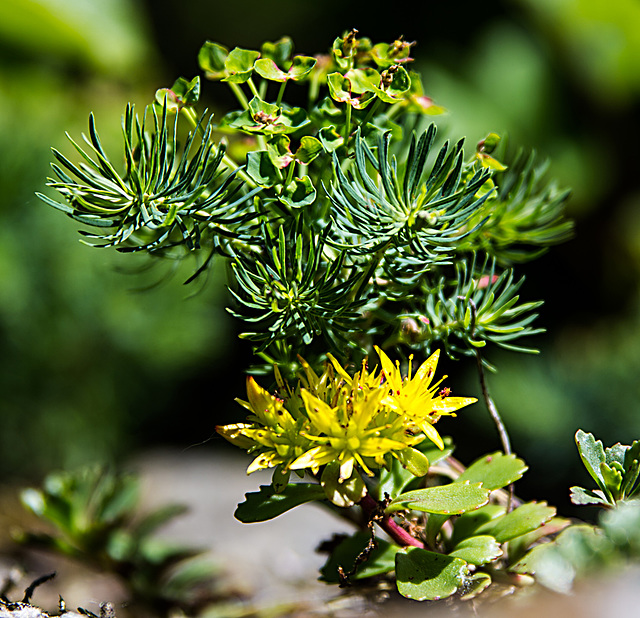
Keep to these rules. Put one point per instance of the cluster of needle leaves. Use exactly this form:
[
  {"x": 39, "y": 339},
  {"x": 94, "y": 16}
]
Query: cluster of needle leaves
[{"x": 346, "y": 218}]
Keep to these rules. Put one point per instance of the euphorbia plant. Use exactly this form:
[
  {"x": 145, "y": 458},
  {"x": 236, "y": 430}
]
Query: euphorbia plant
[{"x": 350, "y": 227}]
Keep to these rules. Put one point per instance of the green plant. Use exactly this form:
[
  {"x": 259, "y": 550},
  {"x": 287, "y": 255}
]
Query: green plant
[
  {"x": 349, "y": 227},
  {"x": 96, "y": 521}
]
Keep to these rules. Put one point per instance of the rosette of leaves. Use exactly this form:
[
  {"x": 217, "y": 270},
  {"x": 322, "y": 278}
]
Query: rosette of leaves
[
  {"x": 615, "y": 470},
  {"x": 481, "y": 306},
  {"x": 290, "y": 292},
  {"x": 167, "y": 196},
  {"x": 421, "y": 213},
  {"x": 525, "y": 214},
  {"x": 95, "y": 519}
]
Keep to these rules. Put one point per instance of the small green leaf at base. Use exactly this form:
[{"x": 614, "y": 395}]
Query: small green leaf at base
[
  {"x": 425, "y": 575},
  {"x": 477, "y": 550},
  {"x": 266, "y": 504}
]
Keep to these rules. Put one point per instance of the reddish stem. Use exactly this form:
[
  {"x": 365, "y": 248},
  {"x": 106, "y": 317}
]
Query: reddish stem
[{"x": 388, "y": 524}]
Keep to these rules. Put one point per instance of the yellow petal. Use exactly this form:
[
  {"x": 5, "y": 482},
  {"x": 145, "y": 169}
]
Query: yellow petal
[
  {"x": 427, "y": 370},
  {"x": 447, "y": 405},
  {"x": 236, "y": 434},
  {"x": 431, "y": 432},
  {"x": 391, "y": 373}
]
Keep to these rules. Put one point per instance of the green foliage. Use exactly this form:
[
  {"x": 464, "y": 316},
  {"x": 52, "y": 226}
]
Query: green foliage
[
  {"x": 344, "y": 226},
  {"x": 95, "y": 518},
  {"x": 615, "y": 470}
]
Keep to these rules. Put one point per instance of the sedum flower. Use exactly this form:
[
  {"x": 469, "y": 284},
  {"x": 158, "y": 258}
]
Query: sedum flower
[
  {"x": 344, "y": 423},
  {"x": 356, "y": 431},
  {"x": 416, "y": 399}
]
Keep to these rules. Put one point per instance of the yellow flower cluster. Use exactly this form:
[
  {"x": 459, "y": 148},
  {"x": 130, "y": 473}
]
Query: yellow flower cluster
[{"x": 352, "y": 420}]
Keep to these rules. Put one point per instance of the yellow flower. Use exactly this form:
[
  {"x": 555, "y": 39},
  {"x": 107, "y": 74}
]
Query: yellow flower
[
  {"x": 356, "y": 431},
  {"x": 276, "y": 435},
  {"x": 416, "y": 399}
]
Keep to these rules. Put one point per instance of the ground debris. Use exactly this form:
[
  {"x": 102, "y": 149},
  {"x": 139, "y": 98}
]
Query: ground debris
[{"x": 24, "y": 609}]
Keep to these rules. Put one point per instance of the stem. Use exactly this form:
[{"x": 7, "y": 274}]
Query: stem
[
  {"x": 372, "y": 110},
  {"x": 347, "y": 125},
  {"x": 491, "y": 406},
  {"x": 242, "y": 99},
  {"x": 388, "y": 524},
  {"x": 252, "y": 87},
  {"x": 281, "y": 93}
]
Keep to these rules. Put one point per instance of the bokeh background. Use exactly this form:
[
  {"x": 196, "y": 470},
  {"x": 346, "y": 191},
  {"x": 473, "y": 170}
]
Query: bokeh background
[{"x": 98, "y": 364}]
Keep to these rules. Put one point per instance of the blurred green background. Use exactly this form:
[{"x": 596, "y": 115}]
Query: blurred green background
[{"x": 93, "y": 366}]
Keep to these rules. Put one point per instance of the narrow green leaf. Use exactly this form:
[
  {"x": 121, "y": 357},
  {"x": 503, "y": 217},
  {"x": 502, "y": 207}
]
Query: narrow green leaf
[
  {"x": 495, "y": 471},
  {"x": 266, "y": 504},
  {"x": 424, "y": 575},
  {"x": 612, "y": 480}
]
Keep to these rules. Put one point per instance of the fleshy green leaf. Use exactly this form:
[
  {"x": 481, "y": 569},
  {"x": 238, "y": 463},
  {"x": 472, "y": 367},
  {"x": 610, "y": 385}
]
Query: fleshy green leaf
[
  {"x": 414, "y": 461},
  {"x": 451, "y": 499},
  {"x": 469, "y": 523},
  {"x": 424, "y": 575},
  {"x": 266, "y": 504},
  {"x": 262, "y": 170},
  {"x": 299, "y": 193},
  {"x": 239, "y": 65},
  {"x": 494, "y": 471},
  {"x": 380, "y": 560},
  {"x": 212, "y": 58},
  {"x": 524, "y": 519},
  {"x": 592, "y": 455},
  {"x": 394, "y": 480},
  {"x": 310, "y": 148},
  {"x": 612, "y": 480},
  {"x": 477, "y": 550}
]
